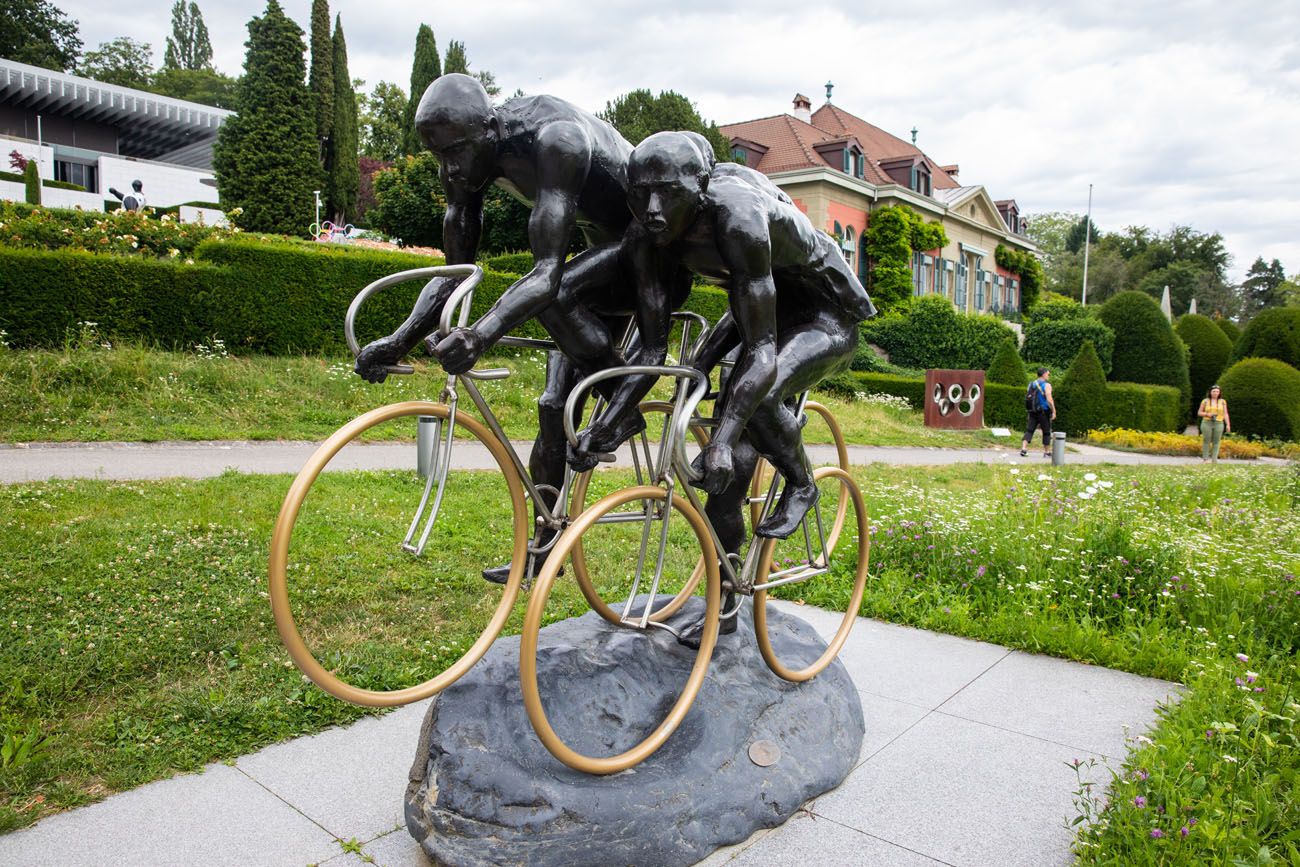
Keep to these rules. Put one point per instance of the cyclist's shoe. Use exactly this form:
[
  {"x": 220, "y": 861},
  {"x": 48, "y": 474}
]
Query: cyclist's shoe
[
  {"x": 501, "y": 574},
  {"x": 693, "y": 634},
  {"x": 789, "y": 512}
]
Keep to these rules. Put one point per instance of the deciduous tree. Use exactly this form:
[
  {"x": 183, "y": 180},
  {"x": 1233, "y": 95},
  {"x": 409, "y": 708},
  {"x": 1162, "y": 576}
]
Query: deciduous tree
[
  {"x": 382, "y": 115},
  {"x": 39, "y": 33},
  {"x": 122, "y": 61},
  {"x": 639, "y": 114}
]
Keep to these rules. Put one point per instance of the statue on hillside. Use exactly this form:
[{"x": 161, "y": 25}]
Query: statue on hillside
[{"x": 132, "y": 201}]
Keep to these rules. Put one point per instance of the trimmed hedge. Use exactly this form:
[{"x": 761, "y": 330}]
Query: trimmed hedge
[
  {"x": 1146, "y": 348},
  {"x": 931, "y": 333},
  {"x": 1263, "y": 396},
  {"x": 1054, "y": 343},
  {"x": 1081, "y": 397},
  {"x": 1273, "y": 333},
  {"x": 1055, "y": 308},
  {"x": 1229, "y": 328},
  {"x": 1210, "y": 350},
  {"x": 1126, "y": 404},
  {"x": 49, "y": 183},
  {"x": 1007, "y": 368},
  {"x": 277, "y": 298},
  {"x": 511, "y": 263}
]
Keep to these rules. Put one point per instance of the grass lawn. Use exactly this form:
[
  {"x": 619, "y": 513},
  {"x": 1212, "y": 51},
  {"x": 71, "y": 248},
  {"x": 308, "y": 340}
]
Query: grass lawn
[
  {"x": 128, "y": 393},
  {"x": 137, "y": 640}
]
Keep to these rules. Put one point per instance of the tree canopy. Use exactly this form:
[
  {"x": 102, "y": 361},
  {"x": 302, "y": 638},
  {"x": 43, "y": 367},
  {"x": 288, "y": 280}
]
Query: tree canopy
[
  {"x": 344, "y": 170},
  {"x": 39, "y": 33},
  {"x": 382, "y": 116},
  {"x": 189, "y": 46},
  {"x": 206, "y": 86},
  {"x": 639, "y": 114},
  {"x": 321, "y": 79},
  {"x": 122, "y": 61}
]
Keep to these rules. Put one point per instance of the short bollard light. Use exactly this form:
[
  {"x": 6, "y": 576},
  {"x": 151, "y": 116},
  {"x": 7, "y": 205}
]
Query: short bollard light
[
  {"x": 1058, "y": 448},
  {"x": 426, "y": 439}
]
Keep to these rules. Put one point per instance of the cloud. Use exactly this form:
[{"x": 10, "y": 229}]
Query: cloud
[{"x": 1180, "y": 113}]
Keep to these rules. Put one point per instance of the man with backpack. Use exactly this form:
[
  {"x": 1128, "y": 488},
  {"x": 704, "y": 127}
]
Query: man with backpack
[{"x": 1042, "y": 410}]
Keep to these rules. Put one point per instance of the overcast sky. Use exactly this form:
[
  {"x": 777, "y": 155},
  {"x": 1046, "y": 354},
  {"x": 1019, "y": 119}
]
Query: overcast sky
[{"x": 1184, "y": 113}]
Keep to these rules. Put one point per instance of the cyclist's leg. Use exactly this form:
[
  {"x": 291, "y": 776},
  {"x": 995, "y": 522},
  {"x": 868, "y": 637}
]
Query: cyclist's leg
[{"x": 808, "y": 352}]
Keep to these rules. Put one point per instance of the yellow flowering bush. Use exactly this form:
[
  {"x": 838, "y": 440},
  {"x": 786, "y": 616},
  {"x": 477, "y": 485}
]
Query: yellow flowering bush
[{"x": 1159, "y": 443}]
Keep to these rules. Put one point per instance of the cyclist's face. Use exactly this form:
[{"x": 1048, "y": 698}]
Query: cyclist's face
[
  {"x": 467, "y": 152},
  {"x": 664, "y": 200}
]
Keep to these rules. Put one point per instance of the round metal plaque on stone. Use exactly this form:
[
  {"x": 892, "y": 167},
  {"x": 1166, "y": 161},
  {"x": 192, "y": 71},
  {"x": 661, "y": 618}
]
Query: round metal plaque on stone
[{"x": 764, "y": 753}]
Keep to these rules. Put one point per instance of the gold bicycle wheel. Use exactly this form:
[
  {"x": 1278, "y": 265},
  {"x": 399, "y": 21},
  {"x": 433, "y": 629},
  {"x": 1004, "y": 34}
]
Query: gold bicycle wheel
[
  {"x": 350, "y": 519},
  {"x": 763, "y": 476},
  {"x": 542, "y": 587},
  {"x": 581, "y": 485},
  {"x": 849, "y": 492}
]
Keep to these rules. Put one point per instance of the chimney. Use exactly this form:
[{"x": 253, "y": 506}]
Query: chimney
[
  {"x": 803, "y": 108},
  {"x": 951, "y": 170}
]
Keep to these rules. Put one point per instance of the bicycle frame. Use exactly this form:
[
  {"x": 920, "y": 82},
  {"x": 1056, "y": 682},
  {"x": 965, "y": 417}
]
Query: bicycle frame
[{"x": 457, "y": 307}]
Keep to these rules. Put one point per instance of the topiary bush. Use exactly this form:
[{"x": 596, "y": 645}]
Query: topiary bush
[
  {"x": 1081, "y": 396},
  {"x": 1210, "y": 351},
  {"x": 1054, "y": 343},
  {"x": 1263, "y": 396},
  {"x": 1007, "y": 368},
  {"x": 1273, "y": 333},
  {"x": 1146, "y": 348},
  {"x": 1229, "y": 329},
  {"x": 1055, "y": 307},
  {"x": 32, "y": 182},
  {"x": 930, "y": 333}
]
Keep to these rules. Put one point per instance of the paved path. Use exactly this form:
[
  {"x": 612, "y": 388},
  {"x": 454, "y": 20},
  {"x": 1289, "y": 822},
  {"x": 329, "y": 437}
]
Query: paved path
[
  {"x": 39, "y": 461},
  {"x": 964, "y": 763}
]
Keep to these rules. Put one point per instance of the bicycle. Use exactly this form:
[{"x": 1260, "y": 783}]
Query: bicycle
[
  {"x": 446, "y": 420},
  {"x": 671, "y": 492}
]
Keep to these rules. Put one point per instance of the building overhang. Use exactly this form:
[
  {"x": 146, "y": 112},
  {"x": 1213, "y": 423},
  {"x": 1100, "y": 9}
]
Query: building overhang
[{"x": 148, "y": 125}]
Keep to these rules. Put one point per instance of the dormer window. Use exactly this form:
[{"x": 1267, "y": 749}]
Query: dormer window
[
  {"x": 910, "y": 171},
  {"x": 921, "y": 179},
  {"x": 740, "y": 155}
]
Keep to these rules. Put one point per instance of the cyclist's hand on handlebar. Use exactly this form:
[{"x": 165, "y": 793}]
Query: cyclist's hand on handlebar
[
  {"x": 580, "y": 458},
  {"x": 460, "y": 350},
  {"x": 375, "y": 357}
]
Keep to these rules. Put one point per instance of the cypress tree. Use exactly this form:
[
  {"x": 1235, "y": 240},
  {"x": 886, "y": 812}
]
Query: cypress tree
[
  {"x": 265, "y": 157},
  {"x": 457, "y": 60},
  {"x": 1007, "y": 368},
  {"x": 424, "y": 70},
  {"x": 344, "y": 168},
  {"x": 32, "y": 182},
  {"x": 322, "y": 72}
]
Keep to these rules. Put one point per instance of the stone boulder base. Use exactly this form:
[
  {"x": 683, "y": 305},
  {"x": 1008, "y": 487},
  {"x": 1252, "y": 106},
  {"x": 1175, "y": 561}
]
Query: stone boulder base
[{"x": 484, "y": 791}]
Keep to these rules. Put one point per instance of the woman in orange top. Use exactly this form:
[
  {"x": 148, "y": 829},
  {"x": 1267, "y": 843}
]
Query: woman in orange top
[{"x": 1214, "y": 423}]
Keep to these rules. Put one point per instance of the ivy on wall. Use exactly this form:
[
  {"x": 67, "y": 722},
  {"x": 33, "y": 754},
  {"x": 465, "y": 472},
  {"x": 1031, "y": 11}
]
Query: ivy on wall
[
  {"x": 893, "y": 234},
  {"x": 1027, "y": 266}
]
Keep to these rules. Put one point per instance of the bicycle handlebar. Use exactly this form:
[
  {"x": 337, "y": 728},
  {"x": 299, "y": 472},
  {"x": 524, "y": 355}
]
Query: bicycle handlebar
[
  {"x": 472, "y": 274},
  {"x": 682, "y": 417}
]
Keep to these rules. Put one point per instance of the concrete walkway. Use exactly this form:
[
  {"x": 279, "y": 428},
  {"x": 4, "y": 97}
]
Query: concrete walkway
[
  {"x": 965, "y": 762},
  {"x": 30, "y": 462}
]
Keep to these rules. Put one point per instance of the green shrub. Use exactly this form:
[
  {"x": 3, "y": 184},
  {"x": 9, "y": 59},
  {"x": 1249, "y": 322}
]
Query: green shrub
[
  {"x": 930, "y": 333},
  {"x": 1056, "y": 307},
  {"x": 32, "y": 182},
  {"x": 1004, "y": 405},
  {"x": 1025, "y": 264},
  {"x": 1143, "y": 407},
  {"x": 867, "y": 359},
  {"x": 1273, "y": 333},
  {"x": 520, "y": 262},
  {"x": 1146, "y": 348},
  {"x": 708, "y": 301},
  {"x": 122, "y": 232},
  {"x": 1210, "y": 351},
  {"x": 1229, "y": 328},
  {"x": 893, "y": 233},
  {"x": 1007, "y": 368},
  {"x": 410, "y": 202},
  {"x": 1263, "y": 396},
  {"x": 46, "y": 182},
  {"x": 1081, "y": 397},
  {"x": 1056, "y": 342}
]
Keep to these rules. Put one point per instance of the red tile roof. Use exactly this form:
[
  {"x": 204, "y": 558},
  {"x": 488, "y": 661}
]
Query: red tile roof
[{"x": 791, "y": 143}]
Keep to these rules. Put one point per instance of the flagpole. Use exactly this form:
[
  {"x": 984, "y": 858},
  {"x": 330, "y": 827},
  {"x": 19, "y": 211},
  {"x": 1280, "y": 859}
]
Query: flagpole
[{"x": 1087, "y": 238}]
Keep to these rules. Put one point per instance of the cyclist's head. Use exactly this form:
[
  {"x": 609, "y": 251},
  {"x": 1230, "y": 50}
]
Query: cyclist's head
[
  {"x": 667, "y": 175},
  {"x": 456, "y": 121}
]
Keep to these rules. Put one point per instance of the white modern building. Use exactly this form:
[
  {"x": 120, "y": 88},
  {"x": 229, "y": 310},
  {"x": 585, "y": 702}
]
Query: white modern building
[{"x": 100, "y": 135}]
